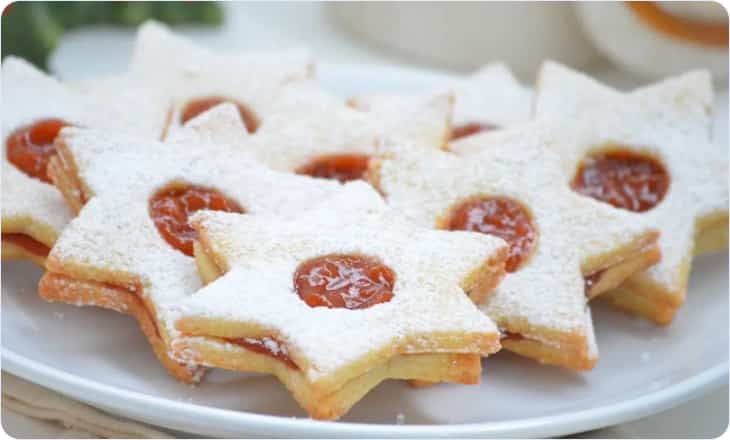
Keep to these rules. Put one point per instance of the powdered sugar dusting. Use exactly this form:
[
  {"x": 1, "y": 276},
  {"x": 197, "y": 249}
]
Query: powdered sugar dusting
[
  {"x": 680, "y": 104},
  {"x": 220, "y": 125},
  {"x": 186, "y": 71},
  {"x": 131, "y": 105},
  {"x": 34, "y": 96},
  {"x": 548, "y": 291},
  {"x": 306, "y": 122},
  {"x": 114, "y": 232},
  {"x": 31, "y": 200},
  {"x": 263, "y": 254},
  {"x": 271, "y": 345},
  {"x": 669, "y": 120},
  {"x": 491, "y": 95}
]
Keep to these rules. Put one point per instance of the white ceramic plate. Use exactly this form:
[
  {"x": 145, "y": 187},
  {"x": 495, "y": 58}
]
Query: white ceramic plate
[{"x": 102, "y": 358}]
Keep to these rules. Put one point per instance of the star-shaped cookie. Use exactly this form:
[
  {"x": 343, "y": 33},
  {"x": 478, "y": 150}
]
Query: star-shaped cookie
[
  {"x": 343, "y": 296},
  {"x": 130, "y": 247},
  {"x": 488, "y": 99},
  {"x": 196, "y": 78},
  {"x": 563, "y": 247},
  {"x": 648, "y": 151},
  {"x": 33, "y": 212}
]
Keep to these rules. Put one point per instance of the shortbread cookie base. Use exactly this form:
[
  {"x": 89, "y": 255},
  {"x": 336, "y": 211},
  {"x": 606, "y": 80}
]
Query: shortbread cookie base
[
  {"x": 208, "y": 269},
  {"x": 548, "y": 346},
  {"x": 35, "y": 230},
  {"x": 456, "y": 368},
  {"x": 448, "y": 343},
  {"x": 566, "y": 356},
  {"x": 11, "y": 251},
  {"x": 652, "y": 303},
  {"x": 486, "y": 278},
  {"x": 39, "y": 234},
  {"x": 642, "y": 296},
  {"x": 60, "y": 288},
  {"x": 575, "y": 351},
  {"x": 713, "y": 236},
  {"x": 63, "y": 172},
  {"x": 612, "y": 276}
]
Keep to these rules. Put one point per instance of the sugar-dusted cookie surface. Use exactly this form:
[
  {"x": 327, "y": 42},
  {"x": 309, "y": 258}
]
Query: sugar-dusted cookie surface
[
  {"x": 298, "y": 126},
  {"x": 338, "y": 294},
  {"x": 33, "y": 212},
  {"x": 488, "y": 99},
  {"x": 310, "y": 131},
  {"x": 683, "y": 102},
  {"x": 132, "y": 104},
  {"x": 648, "y": 151},
  {"x": 197, "y": 78},
  {"x": 130, "y": 248},
  {"x": 559, "y": 241}
]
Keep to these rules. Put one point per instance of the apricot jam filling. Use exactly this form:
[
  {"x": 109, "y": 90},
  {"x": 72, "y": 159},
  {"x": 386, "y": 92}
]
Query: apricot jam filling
[
  {"x": 26, "y": 243},
  {"x": 267, "y": 346},
  {"x": 196, "y": 107},
  {"x": 344, "y": 281},
  {"x": 171, "y": 207},
  {"x": 509, "y": 336},
  {"x": 469, "y": 129},
  {"x": 500, "y": 216},
  {"x": 29, "y": 148},
  {"x": 342, "y": 167},
  {"x": 591, "y": 280},
  {"x": 625, "y": 179}
]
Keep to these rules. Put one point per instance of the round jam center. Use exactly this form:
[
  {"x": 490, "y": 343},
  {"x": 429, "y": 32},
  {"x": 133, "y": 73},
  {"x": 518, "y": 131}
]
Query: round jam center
[
  {"x": 171, "y": 207},
  {"x": 343, "y": 167},
  {"x": 499, "y": 216},
  {"x": 198, "y": 106},
  {"x": 472, "y": 128},
  {"x": 624, "y": 179},
  {"x": 30, "y": 148},
  {"x": 349, "y": 281}
]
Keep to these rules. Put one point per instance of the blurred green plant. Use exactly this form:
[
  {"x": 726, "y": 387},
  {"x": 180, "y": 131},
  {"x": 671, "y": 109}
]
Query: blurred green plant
[{"x": 31, "y": 30}]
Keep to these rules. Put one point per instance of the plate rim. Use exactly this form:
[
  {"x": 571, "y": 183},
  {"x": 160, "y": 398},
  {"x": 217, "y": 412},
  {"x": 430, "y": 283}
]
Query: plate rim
[
  {"x": 116, "y": 398},
  {"x": 123, "y": 401}
]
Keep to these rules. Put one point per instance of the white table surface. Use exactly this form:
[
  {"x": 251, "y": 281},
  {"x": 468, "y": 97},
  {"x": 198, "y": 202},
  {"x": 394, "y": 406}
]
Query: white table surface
[{"x": 286, "y": 25}]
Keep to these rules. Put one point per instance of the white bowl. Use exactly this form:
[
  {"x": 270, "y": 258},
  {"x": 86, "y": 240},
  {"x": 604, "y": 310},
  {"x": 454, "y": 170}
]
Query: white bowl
[{"x": 645, "y": 46}]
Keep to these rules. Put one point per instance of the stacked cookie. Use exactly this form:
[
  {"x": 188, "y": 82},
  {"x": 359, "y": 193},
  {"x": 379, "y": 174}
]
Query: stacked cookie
[{"x": 250, "y": 220}]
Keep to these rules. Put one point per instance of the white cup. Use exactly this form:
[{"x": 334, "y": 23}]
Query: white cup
[{"x": 465, "y": 35}]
